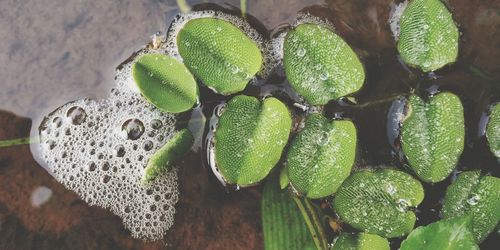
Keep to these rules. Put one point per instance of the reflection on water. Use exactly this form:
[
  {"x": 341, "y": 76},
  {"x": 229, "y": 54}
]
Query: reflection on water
[{"x": 58, "y": 51}]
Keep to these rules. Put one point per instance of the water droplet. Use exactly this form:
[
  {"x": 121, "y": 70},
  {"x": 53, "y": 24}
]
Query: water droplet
[
  {"x": 133, "y": 129},
  {"x": 301, "y": 52},
  {"x": 402, "y": 205},
  {"x": 51, "y": 144},
  {"x": 148, "y": 145},
  {"x": 76, "y": 115},
  {"x": 474, "y": 200},
  {"x": 323, "y": 76},
  {"x": 57, "y": 121}
]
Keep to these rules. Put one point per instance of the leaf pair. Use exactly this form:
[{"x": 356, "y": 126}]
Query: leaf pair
[{"x": 432, "y": 135}]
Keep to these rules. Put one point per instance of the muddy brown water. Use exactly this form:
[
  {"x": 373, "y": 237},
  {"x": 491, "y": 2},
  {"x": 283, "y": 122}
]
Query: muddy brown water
[{"x": 58, "y": 51}]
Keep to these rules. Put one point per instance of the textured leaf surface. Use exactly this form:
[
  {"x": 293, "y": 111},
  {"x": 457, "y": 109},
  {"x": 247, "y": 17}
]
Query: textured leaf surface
[
  {"x": 379, "y": 202},
  {"x": 162, "y": 160},
  {"x": 360, "y": 241},
  {"x": 441, "y": 235},
  {"x": 282, "y": 222},
  {"x": 165, "y": 82},
  {"x": 320, "y": 65},
  {"x": 432, "y": 135},
  {"x": 250, "y": 138},
  {"x": 493, "y": 130},
  {"x": 321, "y": 156},
  {"x": 428, "y": 37},
  {"x": 219, "y": 54},
  {"x": 477, "y": 197}
]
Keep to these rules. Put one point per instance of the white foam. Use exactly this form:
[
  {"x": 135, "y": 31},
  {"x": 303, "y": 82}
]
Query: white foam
[
  {"x": 181, "y": 19},
  {"x": 90, "y": 153}
]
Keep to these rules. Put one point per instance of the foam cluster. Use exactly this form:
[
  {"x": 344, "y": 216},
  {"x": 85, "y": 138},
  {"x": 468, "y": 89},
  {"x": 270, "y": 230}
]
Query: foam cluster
[{"x": 99, "y": 149}]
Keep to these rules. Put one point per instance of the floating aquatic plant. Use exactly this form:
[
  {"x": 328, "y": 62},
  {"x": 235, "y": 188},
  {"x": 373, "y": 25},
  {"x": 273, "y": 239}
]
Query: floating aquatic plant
[
  {"x": 162, "y": 160},
  {"x": 219, "y": 54},
  {"x": 250, "y": 138},
  {"x": 432, "y": 135},
  {"x": 428, "y": 37},
  {"x": 165, "y": 82},
  {"x": 477, "y": 197},
  {"x": 321, "y": 156},
  {"x": 493, "y": 130},
  {"x": 443, "y": 234},
  {"x": 320, "y": 65},
  {"x": 379, "y": 201},
  {"x": 360, "y": 241}
]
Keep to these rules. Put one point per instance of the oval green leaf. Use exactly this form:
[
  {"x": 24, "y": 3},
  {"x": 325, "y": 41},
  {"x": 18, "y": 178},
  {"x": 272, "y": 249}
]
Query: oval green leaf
[
  {"x": 379, "y": 202},
  {"x": 161, "y": 161},
  {"x": 165, "y": 82},
  {"x": 360, "y": 241},
  {"x": 219, "y": 54},
  {"x": 442, "y": 235},
  {"x": 250, "y": 138},
  {"x": 321, "y": 156},
  {"x": 432, "y": 135},
  {"x": 282, "y": 222},
  {"x": 320, "y": 65},
  {"x": 493, "y": 130},
  {"x": 477, "y": 197},
  {"x": 428, "y": 36}
]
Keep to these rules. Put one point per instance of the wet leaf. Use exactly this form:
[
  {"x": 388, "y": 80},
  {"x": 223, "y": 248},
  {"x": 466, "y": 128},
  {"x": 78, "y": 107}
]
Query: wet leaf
[
  {"x": 321, "y": 156},
  {"x": 428, "y": 36},
  {"x": 219, "y": 54},
  {"x": 477, "y": 197},
  {"x": 282, "y": 222},
  {"x": 360, "y": 241},
  {"x": 493, "y": 130},
  {"x": 165, "y": 82},
  {"x": 284, "y": 180},
  {"x": 379, "y": 201},
  {"x": 162, "y": 160},
  {"x": 441, "y": 235},
  {"x": 250, "y": 138},
  {"x": 432, "y": 135},
  {"x": 320, "y": 65}
]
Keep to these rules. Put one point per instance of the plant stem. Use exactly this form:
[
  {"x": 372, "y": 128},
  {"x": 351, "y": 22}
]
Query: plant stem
[
  {"x": 19, "y": 141},
  {"x": 312, "y": 221},
  {"x": 183, "y": 6},
  {"x": 243, "y": 7}
]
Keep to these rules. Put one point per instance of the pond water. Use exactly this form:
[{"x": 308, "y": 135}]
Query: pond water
[{"x": 59, "y": 51}]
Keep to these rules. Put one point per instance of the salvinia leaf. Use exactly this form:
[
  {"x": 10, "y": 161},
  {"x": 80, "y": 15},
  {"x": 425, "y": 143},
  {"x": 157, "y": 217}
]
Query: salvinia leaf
[
  {"x": 321, "y": 156},
  {"x": 493, "y": 130},
  {"x": 475, "y": 196},
  {"x": 219, "y": 54},
  {"x": 250, "y": 138},
  {"x": 320, "y": 65},
  {"x": 165, "y": 82},
  {"x": 432, "y": 135},
  {"x": 379, "y": 202},
  {"x": 360, "y": 241},
  {"x": 442, "y": 235},
  {"x": 428, "y": 36},
  {"x": 176, "y": 147}
]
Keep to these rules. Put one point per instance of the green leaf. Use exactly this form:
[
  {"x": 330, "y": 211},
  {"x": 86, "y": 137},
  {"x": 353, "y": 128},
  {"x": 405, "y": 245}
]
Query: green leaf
[
  {"x": 162, "y": 160},
  {"x": 477, "y": 197},
  {"x": 379, "y": 202},
  {"x": 321, "y": 156},
  {"x": 250, "y": 138},
  {"x": 219, "y": 54},
  {"x": 493, "y": 130},
  {"x": 428, "y": 36},
  {"x": 282, "y": 222},
  {"x": 165, "y": 82},
  {"x": 441, "y": 235},
  {"x": 284, "y": 180},
  {"x": 360, "y": 241},
  {"x": 432, "y": 135},
  {"x": 319, "y": 65}
]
